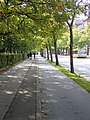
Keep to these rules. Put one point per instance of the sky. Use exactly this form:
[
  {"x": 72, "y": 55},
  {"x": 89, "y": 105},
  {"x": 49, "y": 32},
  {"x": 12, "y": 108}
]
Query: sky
[{"x": 82, "y": 16}]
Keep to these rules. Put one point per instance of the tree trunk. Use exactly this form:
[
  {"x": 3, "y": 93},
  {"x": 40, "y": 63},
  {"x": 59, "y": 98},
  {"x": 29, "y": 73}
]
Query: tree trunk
[
  {"x": 71, "y": 50},
  {"x": 66, "y": 51},
  {"x": 50, "y": 52},
  {"x": 10, "y": 46},
  {"x": 47, "y": 52},
  {"x": 56, "y": 56},
  {"x": 41, "y": 52}
]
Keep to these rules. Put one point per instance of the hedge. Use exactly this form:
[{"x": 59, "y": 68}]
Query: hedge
[{"x": 9, "y": 59}]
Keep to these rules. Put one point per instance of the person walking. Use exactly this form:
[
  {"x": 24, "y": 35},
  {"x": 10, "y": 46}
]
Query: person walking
[
  {"x": 30, "y": 55},
  {"x": 34, "y": 55}
]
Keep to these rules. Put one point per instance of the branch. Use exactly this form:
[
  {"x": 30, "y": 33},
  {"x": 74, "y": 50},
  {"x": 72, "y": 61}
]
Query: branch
[
  {"x": 5, "y": 34},
  {"x": 73, "y": 18},
  {"x": 33, "y": 2},
  {"x": 31, "y": 17}
]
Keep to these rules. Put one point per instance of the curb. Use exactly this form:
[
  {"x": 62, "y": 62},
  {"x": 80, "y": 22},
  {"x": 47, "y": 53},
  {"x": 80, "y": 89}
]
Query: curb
[{"x": 38, "y": 104}]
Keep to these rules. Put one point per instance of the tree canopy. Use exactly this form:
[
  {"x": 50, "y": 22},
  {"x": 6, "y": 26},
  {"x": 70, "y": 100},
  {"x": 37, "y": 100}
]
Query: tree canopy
[{"x": 33, "y": 24}]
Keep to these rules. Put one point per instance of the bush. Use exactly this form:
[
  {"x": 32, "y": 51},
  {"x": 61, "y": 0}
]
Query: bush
[
  {"x": 3, "y": 60},
  {"x": 9, "y": 59}
]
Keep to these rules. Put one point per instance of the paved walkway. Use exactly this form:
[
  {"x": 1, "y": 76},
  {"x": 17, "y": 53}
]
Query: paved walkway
[
  {"x": 61, "y": 97},
  {"x": 35, "y": 90},
  {"x": 18, "y": 92}
]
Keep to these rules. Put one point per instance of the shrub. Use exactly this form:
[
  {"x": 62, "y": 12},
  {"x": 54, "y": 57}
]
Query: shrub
[{"x": 9, "y": 59}]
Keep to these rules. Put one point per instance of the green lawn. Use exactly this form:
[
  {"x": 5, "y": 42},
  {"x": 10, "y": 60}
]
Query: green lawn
[{"x": 80, "y": 80}]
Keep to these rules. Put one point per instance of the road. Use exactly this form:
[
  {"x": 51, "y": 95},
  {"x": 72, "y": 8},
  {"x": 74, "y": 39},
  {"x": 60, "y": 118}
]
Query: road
[{"x": 81, "y": 65}]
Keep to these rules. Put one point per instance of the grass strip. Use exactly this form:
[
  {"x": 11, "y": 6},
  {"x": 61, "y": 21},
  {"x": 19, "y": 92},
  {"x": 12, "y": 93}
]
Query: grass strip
[{"x": 79, "y": 80}]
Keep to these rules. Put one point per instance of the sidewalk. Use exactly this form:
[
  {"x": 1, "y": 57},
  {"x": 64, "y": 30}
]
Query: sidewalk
[
  {"x": 35, "y": 90},
  {"x": 18, "y": 92},
  {"x": 61, "y": 97}
]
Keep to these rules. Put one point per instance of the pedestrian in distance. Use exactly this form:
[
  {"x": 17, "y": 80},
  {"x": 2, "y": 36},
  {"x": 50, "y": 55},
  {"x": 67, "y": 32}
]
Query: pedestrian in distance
[
  {"x": 30, "y": 55},
  {"x": 34, "y": 55}
]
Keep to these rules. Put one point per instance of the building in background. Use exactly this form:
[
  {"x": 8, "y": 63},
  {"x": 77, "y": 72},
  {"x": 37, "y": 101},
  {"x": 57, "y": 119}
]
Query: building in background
[{"x": 81, "y": 23}]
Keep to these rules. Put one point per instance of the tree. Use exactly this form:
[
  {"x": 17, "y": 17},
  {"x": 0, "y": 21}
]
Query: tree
[
  {"x": 71, "y": 9},
  {"x": 18, "y": 29}
]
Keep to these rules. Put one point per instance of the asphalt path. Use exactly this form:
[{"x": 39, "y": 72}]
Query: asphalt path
[
  {"x": 61, "y": 97},
  {"x": 18, "y": 92},
  {"x": 38, "y": 91}
]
